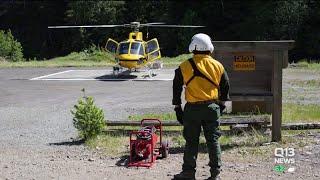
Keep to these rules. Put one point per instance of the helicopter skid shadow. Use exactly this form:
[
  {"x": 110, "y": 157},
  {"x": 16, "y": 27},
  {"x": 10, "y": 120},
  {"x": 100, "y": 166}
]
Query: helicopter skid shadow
[{"x": 123, "y": 76}]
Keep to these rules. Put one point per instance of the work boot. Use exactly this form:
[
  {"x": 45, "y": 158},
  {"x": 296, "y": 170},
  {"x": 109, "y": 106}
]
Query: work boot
[
  {"x": 186, "y": 175},
  {"x": 214, "y": 178},
  {"x": 214, "y": 175}
]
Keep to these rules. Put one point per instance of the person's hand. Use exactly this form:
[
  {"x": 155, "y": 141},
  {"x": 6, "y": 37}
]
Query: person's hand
[
  {"x": 222, "y": 106},
  {"x": 179, "y": 113},
  {"x": 223, "y": 102}
]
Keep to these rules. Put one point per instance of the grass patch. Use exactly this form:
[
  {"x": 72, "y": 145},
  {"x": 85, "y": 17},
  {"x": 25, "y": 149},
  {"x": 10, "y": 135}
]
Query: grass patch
[
  {"x": 291, "y": 112},
  {"x": 308, "y": 65},
  {"x": 110, "y": 144},
  {"x": 94, "y": 58},
  {"x": 87, "y": 58},
  {"x": 175, "y": 61},
  {"x": 300, "y": 113},
  {"x": 172, "y": 116},
  {"x": 94, "y": 55},
  {"x": 115, "y": 142},
  {"x": 313, "y": 83},
  {"x": 253, "y": 144},
  {"x": 163, "y": 116},
  {"x": 51, "y": 64}
]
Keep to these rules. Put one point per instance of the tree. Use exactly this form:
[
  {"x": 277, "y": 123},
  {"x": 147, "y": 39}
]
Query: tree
[
  {"x": 224, "y": 20},
  {"x": 308, "y": 38},
  {"x": 88, "y": 118},
  {"x": 10, "y": 49}
]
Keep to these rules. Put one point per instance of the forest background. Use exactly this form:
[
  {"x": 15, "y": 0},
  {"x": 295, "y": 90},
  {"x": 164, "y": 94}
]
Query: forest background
[{"x": 254, "y": 20}]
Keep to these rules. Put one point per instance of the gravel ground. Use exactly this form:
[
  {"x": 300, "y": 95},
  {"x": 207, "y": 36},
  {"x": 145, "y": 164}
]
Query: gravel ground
[
  {"x": 36, "y": 133},
  {"x": 296, "y": 89}
]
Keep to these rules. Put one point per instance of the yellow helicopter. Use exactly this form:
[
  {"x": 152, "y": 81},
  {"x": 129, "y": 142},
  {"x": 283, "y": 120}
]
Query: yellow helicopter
[{"x": 134, "y": 53}]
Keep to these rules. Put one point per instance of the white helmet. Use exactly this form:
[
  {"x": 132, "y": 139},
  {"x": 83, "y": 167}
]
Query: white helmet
[{"x": 201, "y": 42}]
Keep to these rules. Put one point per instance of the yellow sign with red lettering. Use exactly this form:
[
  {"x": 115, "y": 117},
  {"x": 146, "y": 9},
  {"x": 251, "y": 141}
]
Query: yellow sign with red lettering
[{"x": 244, "y": 61}]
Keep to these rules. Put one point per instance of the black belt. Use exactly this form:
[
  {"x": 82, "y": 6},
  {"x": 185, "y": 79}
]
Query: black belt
[{"x": 204, "y": 102}]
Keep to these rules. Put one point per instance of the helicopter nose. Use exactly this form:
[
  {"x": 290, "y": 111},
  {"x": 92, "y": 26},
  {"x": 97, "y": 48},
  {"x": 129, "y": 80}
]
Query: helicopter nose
[{"x": 129, "y": 57}]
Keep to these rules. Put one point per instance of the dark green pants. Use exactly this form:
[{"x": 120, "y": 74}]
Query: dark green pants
[{"x": 195, "y": 117}]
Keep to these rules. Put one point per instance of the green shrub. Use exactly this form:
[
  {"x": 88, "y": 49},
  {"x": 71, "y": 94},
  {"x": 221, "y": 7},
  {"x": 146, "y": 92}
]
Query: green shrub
[
  {"x": 98, "y": 54},
  {"x": 88, "y": 118},
  {"x": 10, "y": 49}
]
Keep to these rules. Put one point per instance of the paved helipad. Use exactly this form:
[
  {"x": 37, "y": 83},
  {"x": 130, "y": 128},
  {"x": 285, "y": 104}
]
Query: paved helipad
[
  {"x": 106, "y": 75},
  {"x": 36, "y": 125}
]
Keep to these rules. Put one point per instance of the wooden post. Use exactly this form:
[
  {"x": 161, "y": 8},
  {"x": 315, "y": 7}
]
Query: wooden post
[{"x": 277, "y": 95}]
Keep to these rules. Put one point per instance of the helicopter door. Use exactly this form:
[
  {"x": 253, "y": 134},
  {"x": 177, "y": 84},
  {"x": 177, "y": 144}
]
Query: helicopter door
[
  {"x": 112, "y": 46},
  {"x": 153, "y": 50}
]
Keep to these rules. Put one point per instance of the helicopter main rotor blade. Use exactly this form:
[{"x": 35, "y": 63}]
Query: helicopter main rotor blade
[
  {"x": 85, "y": 26},
  {"x": 172, "y": 25},
  {"x": 153, "y": 23}
]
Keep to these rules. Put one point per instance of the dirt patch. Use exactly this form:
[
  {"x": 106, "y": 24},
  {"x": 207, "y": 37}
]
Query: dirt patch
[{"x": 74, "y": 161}]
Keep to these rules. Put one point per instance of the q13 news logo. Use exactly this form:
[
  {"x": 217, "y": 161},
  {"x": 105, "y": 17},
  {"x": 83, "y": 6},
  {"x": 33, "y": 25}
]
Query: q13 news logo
[{"x": 284, "y": 155}]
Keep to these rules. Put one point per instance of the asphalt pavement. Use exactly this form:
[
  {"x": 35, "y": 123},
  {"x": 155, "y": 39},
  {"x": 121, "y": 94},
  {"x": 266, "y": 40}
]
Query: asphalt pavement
[
  {"x": 36, "y": 113},
  {"x": 46, "y": 104}
]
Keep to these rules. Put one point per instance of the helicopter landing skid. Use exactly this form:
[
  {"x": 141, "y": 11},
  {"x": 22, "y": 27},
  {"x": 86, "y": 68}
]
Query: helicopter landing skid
[
  {"x": 148, "y": 72},
  {"x": 152, "y": 66},
  {"x": 116, "y": 70},
  {"x": 151, "y": 73}
]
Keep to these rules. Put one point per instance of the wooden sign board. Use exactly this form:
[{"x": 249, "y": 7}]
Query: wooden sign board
[
  {"x": 244, "y": 61},
  {"x": 255, "y": 72}
]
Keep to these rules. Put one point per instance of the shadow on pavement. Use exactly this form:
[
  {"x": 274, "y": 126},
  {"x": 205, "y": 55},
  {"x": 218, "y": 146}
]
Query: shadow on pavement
[
  {"x": 123, "y": 161},
  {"x": 202, "y": 148},
  {"x": 123, "y": 76},
  {"x": 68, "y": 143}
]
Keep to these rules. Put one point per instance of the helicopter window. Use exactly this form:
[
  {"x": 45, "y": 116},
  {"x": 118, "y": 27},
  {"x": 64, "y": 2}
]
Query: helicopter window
[
  {"x": 151, "y": 46},
  {"x": 123, "y": 48},
  {"x": 136, "y": 48},
  {"x": 111, "y": 46}
]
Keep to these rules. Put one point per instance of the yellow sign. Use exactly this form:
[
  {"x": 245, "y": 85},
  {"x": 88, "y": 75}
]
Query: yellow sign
[{"x": 244, "y": 61}]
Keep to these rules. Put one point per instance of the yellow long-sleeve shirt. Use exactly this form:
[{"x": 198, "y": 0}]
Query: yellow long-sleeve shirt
[{"x": 199, "y": 88}]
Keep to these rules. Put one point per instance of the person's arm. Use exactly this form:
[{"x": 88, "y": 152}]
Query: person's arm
[
  {"x": 224, "y": 87},
  {"x": 177, "y": 87},
  {"x": 176, "y": 98}
]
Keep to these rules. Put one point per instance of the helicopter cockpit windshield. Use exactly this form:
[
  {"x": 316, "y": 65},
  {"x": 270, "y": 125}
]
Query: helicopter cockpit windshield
[
  {"x": 137, "y": 48},
  {"x": 124, "y": 48}
]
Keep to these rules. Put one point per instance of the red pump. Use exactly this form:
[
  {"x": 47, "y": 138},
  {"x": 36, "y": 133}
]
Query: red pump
[{"x": 146, "y": 144}]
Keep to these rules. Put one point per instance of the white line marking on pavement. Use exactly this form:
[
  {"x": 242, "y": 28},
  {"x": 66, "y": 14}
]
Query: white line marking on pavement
[
  {"x": 41, "y": 77},
  {"x": 152, "y": 79},
  {"x": 50, "y": 78},
  {"x": 87, "y": 79}
]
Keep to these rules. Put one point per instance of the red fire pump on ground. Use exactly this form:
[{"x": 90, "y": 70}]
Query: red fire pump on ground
[{"x": 146, "y": 144}]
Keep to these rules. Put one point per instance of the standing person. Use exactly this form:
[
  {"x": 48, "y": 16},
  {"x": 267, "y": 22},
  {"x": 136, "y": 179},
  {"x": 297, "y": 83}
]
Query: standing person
[{"x": 206, "y": 89}]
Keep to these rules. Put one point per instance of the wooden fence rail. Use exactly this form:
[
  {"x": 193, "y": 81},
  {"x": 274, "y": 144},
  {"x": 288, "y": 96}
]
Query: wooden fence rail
[
  {"x": 263, "y": 121},
  {"x": 225, "y": 121}
]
